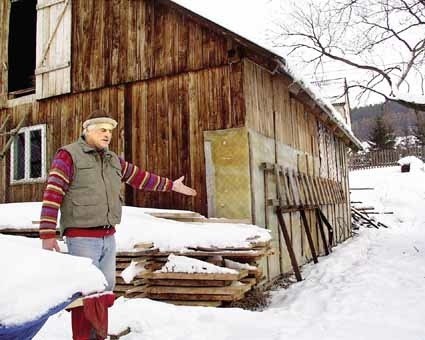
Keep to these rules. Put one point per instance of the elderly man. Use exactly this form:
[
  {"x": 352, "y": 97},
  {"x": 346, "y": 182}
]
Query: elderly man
[{"x": 84, "y": 182}]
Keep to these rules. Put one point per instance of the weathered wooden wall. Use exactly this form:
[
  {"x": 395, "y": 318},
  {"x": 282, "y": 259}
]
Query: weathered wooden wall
[
  {"x": 298, "y": 140},
  {"x": 166, "y": 120},
  {"x": 63, "y": 117},
  {"x": 139, "y": 40}
]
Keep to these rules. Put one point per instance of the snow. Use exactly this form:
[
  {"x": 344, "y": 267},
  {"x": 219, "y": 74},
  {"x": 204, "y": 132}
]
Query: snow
[
  {"x": 168, "y": 235},
  {"x": 409, "y": 97},
  {"x": 34, "y": 280},
  {"x": 237, "y": 265},
  {"x": 370, "y": 287},
  {"x": 137, "y": 226},
  {"x": 131, "y": 271},
  {"x": 12, "y": 216},
  {"x": 184, "y": 264},
  {"x": 414, "y": 162}
]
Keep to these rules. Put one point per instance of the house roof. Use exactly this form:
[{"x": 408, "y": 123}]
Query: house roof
[
  {"x": 332, "y": 89},
  {"x": 300, "y": 86}
]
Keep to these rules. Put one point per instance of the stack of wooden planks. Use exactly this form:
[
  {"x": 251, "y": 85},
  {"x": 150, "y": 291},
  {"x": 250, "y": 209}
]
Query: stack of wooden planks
[
  {"x": 201, "y": 289},
  {"x": 136, "y": 261},
  {"x": 180, "y": 288}
]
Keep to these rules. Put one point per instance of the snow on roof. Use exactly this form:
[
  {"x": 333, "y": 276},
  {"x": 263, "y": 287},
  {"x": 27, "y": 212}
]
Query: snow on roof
[
  {"x": 33, "y": 280},
  {"x": 332, "y": 89},
  {"x": 412, "y": 98},
  {"x": 233, "y": 26}
]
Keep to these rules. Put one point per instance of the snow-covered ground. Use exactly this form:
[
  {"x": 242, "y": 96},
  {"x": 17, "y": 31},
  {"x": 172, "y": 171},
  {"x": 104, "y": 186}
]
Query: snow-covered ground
[{"x": 371, "y": 287}]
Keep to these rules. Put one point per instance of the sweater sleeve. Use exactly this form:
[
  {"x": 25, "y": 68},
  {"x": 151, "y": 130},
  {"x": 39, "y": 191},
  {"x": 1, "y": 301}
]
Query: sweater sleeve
[
  {"x": 60, "y": 175},
  {"x": 143, "y": 180}
]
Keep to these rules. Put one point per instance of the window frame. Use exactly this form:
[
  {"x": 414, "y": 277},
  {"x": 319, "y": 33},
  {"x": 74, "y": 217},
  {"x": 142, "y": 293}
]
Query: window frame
[{"x": 27, "y": 156}]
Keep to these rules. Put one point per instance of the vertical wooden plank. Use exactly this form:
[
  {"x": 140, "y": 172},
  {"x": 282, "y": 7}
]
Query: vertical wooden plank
[{"x": 4, "y": 33}]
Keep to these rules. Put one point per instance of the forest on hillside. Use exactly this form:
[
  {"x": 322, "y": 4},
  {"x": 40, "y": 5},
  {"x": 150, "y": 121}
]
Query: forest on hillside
[{"x": 401, "y": 119}]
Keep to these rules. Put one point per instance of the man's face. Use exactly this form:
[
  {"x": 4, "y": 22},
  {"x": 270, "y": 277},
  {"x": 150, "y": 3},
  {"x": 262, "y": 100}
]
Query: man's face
[{"x": 99, "y": 137}]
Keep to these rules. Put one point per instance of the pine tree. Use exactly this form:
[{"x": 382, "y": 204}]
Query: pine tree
[
  {"x": 419, "y": 129},
  {"x": 382, "y": 135}
]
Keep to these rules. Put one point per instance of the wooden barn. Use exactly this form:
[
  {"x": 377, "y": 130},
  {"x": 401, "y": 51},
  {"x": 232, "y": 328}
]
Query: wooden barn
[{"x": 190, "y": 97}]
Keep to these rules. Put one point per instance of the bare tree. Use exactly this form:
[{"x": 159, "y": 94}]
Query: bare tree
[{"x": 383, "y": 38}]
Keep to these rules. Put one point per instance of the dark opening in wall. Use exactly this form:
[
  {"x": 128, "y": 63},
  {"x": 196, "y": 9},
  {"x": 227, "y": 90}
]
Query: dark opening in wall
[{"x": 22, "y": 40}]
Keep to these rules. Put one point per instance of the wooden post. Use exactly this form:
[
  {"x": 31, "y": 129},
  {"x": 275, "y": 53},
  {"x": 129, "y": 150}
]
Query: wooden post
[
  {"x": 328, "y": 249},
  {"x": 328, "y": 225},
  {"x": 288, "y": 243},
  {"x": 308, "y": 233},
  {"x": 282, "y": 225}
]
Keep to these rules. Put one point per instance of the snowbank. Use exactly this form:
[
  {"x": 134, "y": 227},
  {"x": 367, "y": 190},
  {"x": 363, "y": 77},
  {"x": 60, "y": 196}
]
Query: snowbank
[
  {"x": 415, "y": 162},
  {"x": 34, "y": 280}
]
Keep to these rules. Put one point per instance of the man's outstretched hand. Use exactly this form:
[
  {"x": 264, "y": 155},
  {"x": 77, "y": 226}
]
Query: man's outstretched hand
[
  {"x": 178, "y": 186},
  {"x": 50, "y": 244}
]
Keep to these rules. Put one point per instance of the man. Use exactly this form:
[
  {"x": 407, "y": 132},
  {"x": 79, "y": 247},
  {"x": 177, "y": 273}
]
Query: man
[{"x": 84, "y": 183}]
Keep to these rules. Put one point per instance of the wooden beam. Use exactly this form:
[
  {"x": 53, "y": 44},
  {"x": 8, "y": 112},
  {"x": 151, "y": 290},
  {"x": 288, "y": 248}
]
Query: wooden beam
[
  {"x": 196, "y": 276},
  {"x": 309, "y": 238}
]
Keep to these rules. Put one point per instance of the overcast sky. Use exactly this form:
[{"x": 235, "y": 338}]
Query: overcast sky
[{"x": 254, "y": 20}]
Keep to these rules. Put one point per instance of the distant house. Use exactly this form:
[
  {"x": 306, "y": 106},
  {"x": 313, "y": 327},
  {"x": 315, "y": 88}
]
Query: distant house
[
  {"x": 190, "y": 97},
  {"x": 336, "y": 91}
]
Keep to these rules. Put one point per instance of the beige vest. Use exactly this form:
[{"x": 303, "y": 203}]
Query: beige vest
[{"x": 93, "y": 197}]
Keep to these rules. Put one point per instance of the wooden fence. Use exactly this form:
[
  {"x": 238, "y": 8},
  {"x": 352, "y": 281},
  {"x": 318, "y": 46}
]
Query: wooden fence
[{"x": 382, "y": 158}]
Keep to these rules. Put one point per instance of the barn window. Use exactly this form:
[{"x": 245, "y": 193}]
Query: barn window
[
  {"x": 22, "y": 42},
  {"x": 28, "y": 154}
]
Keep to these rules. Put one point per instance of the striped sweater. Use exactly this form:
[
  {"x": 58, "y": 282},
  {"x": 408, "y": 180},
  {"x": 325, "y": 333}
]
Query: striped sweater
[{"x": 60, "y": 178}]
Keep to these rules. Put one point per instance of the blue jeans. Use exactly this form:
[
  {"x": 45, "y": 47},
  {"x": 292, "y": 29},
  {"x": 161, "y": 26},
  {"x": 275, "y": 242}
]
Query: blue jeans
[{"x": 101, "y": 250}]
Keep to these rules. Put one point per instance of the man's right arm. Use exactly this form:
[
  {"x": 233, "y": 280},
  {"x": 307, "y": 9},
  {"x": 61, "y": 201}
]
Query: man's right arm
[{"x": 60, "y": 175}]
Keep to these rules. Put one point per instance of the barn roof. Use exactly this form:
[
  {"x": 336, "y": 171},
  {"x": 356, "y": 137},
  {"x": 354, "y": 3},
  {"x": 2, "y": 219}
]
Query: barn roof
[
  {"x": 300, "y": 87},
  {"x": 332, "y": 89}
]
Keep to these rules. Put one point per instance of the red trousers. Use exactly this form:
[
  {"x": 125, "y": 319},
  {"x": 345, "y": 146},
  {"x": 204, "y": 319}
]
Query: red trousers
[{"x": 90, "y": 321}]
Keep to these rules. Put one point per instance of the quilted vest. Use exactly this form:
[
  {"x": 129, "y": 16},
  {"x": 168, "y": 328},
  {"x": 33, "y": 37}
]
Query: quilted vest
[{"x": 93, "y": 197}]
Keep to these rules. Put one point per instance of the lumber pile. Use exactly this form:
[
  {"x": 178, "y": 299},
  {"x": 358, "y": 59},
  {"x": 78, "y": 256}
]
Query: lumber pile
[
  {"x": 134, "y": 263},
  {"x": 360, "y": 214},
  {"x": 201, "y": 289},
  {"x": 184, "y": 288}
]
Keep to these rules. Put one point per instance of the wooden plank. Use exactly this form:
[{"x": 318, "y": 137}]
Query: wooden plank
[
  {"x": 331, "y": 193},
  {"x": 224, "y": 253},
  {"x": 310, "y": 188},
  {"x": 284, "y": 229},
  {"x": 135, "y": 282},
  {"x": 294, "y": 188},
  {"x": 143, "y": 245},
  {"x": 129, "y": 288},
  {"x": 326, "y": 246},
  {"x": 285, "y": 187},
  {"x": 128, "y": 260},
  {"x": 194, "y": 303},
  {"x": 234, "y": 289},
  {"x": 137, "y": 252},
  {"x": 196, "y": 276},
  {"x": 303, "y": 188},
  {"x": 194, "y": 297},
  {"x": 310, "y": 180},
  {"x": 188, "y": 283},
  {"x": 319, "y": 190}
]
